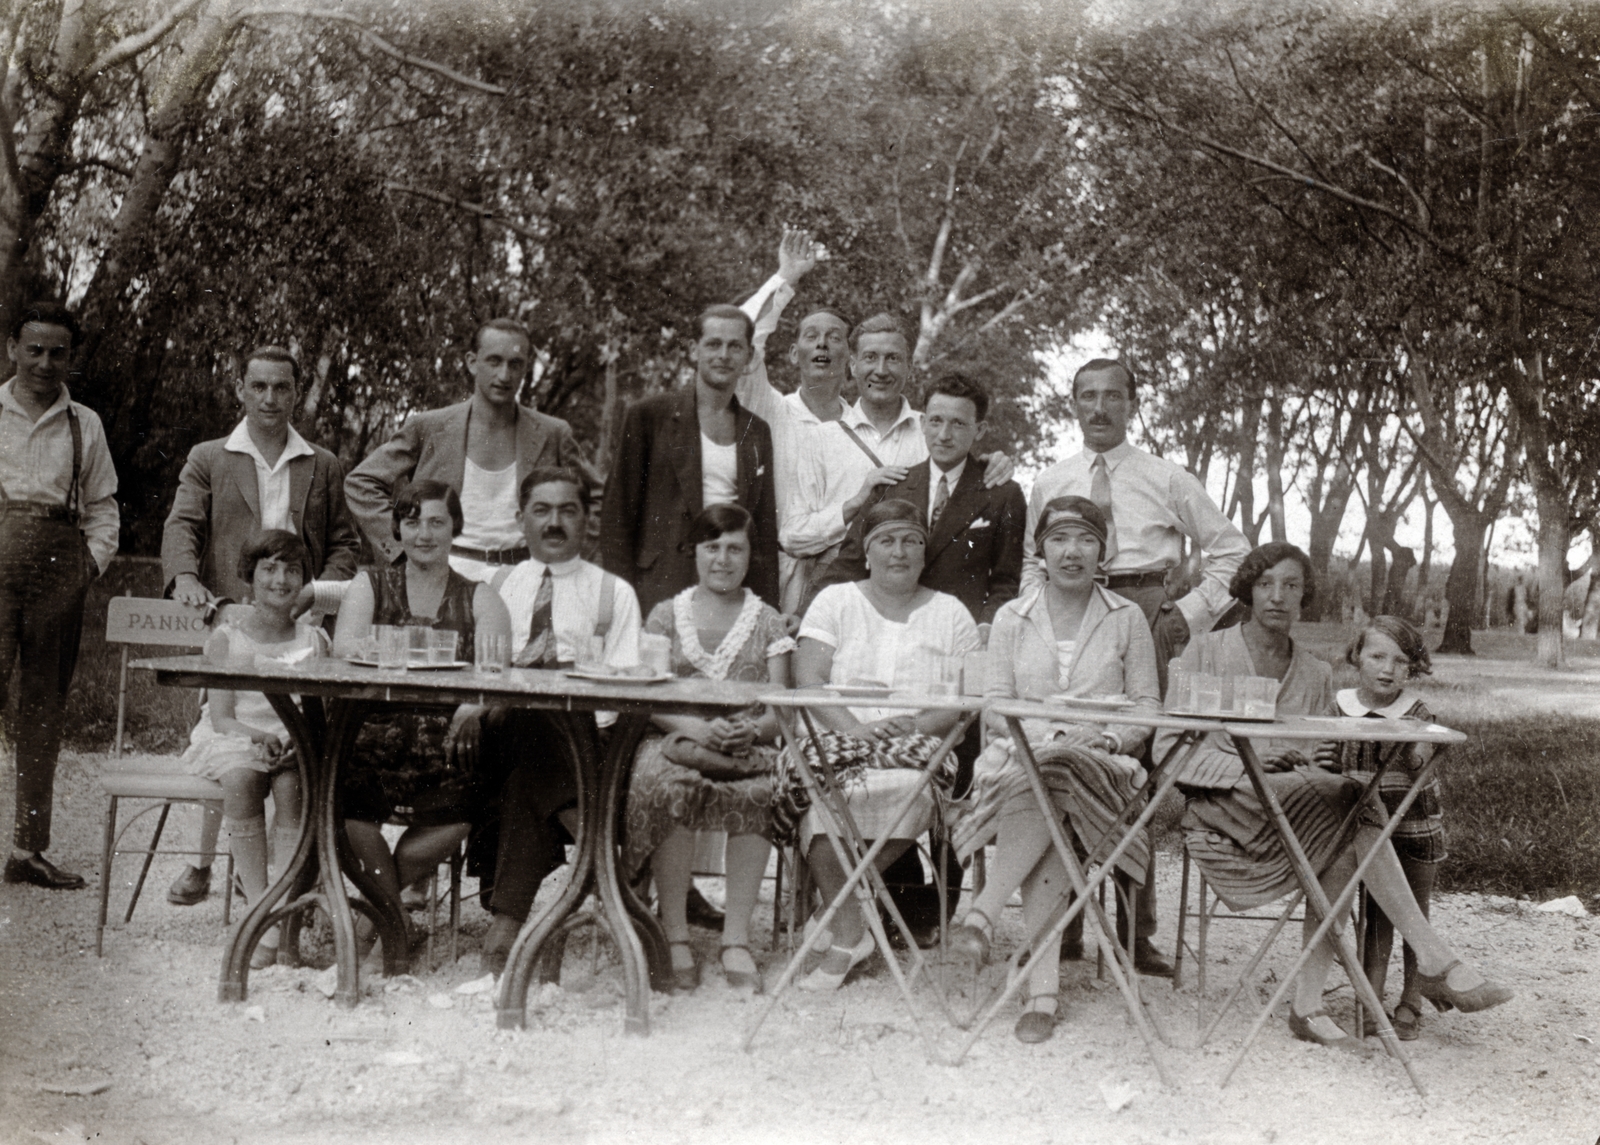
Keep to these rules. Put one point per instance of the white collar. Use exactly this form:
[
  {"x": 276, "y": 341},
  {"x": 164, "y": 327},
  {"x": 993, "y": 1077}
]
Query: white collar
[
  {"x": 856, "y": 417},
  {"x": 1351, "y": 705},
  {"x": 952, "y": 475},
  {"x": 9, "y": 399},
  {"x": 568, "y": 567},
  {"x": 1114, "y": 456},
  {"x": 240, "y": 441}
]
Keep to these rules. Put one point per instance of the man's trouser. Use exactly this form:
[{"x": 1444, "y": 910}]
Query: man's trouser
[
  {"x": 45, "y": 569},
  {"x": 519, "y": 828}
]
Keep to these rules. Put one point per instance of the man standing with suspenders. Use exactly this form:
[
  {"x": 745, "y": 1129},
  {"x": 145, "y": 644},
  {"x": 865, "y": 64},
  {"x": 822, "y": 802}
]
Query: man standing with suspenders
[{"x": 59, "y": 527}]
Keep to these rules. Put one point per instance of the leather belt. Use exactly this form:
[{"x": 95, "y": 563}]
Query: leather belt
[
  {"x": 36, "y": 509},
  {"x": 493, "y": 556},
  {"x": 1136, "y": 579}
]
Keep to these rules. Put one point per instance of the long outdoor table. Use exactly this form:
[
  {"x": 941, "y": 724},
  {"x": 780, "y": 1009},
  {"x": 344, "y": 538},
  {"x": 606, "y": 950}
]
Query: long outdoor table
[{"x": 339, "y": 696}]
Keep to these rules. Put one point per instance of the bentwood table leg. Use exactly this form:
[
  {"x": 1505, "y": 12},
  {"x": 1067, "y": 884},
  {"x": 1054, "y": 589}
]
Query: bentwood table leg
[
  {"x": 1317, "y": 899},
  {"x": 602, "y": 787},
  {"x": 309, "y": 746}
]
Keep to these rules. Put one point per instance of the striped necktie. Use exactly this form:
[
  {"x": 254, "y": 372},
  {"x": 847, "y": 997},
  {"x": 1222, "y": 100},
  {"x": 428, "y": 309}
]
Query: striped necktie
[
  {"x": 1100, "y": 494},
  {"x": 540, "y": 651}
]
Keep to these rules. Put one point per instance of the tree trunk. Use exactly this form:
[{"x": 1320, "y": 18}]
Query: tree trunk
[
  {"x": 1555, "y": 538},
  {"x": 1461, "y": 584},
  {"x": 1396, "y": 601},
  {"x": 1275, "y": 510},
  {"x": 1325, "y": 521}
]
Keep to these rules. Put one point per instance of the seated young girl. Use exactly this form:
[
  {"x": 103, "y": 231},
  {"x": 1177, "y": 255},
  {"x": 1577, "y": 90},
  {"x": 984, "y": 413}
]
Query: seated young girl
[{"x": 240, "y": 741}]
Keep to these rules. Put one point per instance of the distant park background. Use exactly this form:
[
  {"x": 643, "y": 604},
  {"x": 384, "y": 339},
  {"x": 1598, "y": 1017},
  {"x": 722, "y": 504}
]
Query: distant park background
[{"x": 1347, "y": 249}]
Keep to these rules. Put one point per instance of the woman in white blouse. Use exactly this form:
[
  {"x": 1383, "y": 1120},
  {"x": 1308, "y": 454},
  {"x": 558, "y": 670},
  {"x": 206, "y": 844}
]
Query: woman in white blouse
[
  {"x": 887, "y": 630},
  {"x": 1069, "y": 637}
]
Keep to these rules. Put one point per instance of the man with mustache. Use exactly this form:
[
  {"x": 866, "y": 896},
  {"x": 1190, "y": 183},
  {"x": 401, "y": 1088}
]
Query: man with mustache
[
  {"x": 263, "y": 475},
  {"x": 1151, "y": 506},
  {"x": 483, "y": 448},
  {"x": 564, "y": 610}
]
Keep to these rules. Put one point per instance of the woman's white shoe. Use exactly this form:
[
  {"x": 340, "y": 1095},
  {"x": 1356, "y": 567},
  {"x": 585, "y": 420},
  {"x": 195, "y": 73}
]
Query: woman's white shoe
[{"x": 822, "y": 981}]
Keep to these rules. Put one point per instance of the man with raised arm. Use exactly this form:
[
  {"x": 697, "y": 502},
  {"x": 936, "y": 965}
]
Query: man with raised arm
[
  {"x": 263, "y": 475},
  {"x": 58, "y": 531},
  {"x": 1151, "y": 506},
  {"x": 483, "y": 448}
]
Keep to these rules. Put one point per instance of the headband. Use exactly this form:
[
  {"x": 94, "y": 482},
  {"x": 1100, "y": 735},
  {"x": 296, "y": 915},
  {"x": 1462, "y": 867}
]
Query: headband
[
  {"x": 1070, "y": 512},
  {"x": 894, "y": 523}
]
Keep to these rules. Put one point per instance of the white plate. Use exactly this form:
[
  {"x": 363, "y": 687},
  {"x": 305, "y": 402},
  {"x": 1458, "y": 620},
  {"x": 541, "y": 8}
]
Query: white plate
[
  {"x": 452, "y": 666},
  {"x": 618, "y": 678},
  {"x": 872, "y": 691},
  {"x": 1091, "y": 704}
]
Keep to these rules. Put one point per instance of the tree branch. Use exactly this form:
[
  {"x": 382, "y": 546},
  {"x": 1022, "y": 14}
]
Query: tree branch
[
  {"x": 130, "y": 46},
  {"x": 485, "y": 213},
  {"x": 378, "y": 42}
]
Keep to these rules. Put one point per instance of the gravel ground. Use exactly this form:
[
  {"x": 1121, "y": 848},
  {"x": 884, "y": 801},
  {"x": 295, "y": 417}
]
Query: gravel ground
[{"x": 146, "y": 1054}]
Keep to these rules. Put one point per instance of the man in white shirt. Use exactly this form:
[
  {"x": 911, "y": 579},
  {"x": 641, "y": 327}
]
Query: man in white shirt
[
  {"x": 564, "y": 610},
  {"x": 1151, "y": 506},
  {"x": 263, "y": 475},
  {"x": 58, "y": 531}
]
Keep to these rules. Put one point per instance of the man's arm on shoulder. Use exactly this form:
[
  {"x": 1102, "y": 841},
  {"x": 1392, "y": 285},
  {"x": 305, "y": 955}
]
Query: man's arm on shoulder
[
  {"x": 1218, "y": 538},
  {"x": 573, "y": 456},
  {"x": 1005, "y": 568},
  {"x": 369, "y": 487},
  {"x": 188, "y": 524}
]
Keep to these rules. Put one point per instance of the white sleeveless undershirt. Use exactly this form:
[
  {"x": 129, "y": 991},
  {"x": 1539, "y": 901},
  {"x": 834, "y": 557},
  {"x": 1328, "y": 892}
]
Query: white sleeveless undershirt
[
  {"x": 719, "y": 473},
  {"x": 489, "y": 508}
]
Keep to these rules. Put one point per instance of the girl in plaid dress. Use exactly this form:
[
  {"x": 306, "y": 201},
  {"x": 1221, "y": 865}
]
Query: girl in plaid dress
[{"x": 1389, "y": 653}]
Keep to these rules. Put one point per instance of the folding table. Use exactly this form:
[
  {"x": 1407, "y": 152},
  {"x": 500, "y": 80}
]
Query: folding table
[
  {"x": 1319, "y": 729},
  {"x": 1105, "y": 852},
  {"x": 852, "y": 850}
]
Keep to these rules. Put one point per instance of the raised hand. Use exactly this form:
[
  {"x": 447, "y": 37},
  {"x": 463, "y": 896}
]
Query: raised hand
[{"x": 797, "y": 254}]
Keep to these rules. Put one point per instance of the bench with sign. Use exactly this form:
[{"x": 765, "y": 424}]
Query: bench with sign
[{"x": 141, "y": 620}]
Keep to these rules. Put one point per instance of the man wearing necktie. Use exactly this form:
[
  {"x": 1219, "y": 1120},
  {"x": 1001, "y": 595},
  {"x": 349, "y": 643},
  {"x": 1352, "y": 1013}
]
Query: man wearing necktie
[
  {"x": 1153, "y": 508},
  {"x": 564, "y": 610}
]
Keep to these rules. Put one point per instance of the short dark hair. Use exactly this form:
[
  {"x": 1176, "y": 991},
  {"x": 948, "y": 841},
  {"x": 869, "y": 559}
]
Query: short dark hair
[
  {"x": 277, "y": 544},
  {"x": 272, "y": 354},
  {"x": 815, "y": 310},
  {"x": 545, "y": 474},
  {"x": 1406, "y": 637},
  {"x": 409, "y": 504},
  {"x": 717, "y": 520},
  {"x": 46, "y": 312},
  {"x": 1100, "y": 365},
  {"x": 955, "y": 385},
  {"x": 508, "y": 326},
  {"x": 880, "y": 323},
  {"x": 1259, "y": 560},
  {"x": 724, "y": 310}
]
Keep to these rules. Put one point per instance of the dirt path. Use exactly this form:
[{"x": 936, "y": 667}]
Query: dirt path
[{"x": 418, "y": 1062}]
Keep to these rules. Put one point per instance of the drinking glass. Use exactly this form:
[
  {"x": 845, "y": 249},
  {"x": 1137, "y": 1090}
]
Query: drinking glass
[
  {"x": 589, "y": 654},
  {"x": 1179, "y": 698},
  {"x": 655, "y": 652},
  {"x": 1207, "y": 693},
  {"x": 418, "y": 641},
  {"x": 1231, "y": 696},
  {"x": 1260, "y": 697},
  {"x": 442, "y": 645},
  {"x": 948, "y": 680},
  {"x": 392, "y": 646},
  {"x": 493, "y": 652}
]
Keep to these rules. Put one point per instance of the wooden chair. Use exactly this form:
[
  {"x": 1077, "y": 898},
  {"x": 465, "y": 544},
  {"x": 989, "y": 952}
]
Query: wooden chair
[{"x": 139, "y": 620}]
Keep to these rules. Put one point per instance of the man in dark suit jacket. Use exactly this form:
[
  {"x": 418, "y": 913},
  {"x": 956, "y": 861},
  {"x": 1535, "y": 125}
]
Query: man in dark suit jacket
[
  {"x": 263, "y": 475},
  {"x": 974, "y": 548},
  {"x": 679, "y": 452}
]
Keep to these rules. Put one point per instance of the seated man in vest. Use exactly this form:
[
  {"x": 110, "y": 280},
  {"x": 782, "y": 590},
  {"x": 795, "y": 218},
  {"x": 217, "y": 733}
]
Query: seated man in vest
[{"x": 563, "y": 610}]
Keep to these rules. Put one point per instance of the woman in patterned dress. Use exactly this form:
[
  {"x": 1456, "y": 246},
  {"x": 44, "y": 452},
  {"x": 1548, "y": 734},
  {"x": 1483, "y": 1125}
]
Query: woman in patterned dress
[
  {"x": 1228, "y": 831},
  {"x": 406, "y": 766},
  {"x": 719, "y": 630}
]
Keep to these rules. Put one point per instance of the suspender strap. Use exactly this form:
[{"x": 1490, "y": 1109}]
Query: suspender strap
[
  {"x": 77, "y": 463},
  {"x": 865, "y": 448},
  {"x": 499, "y": 577}
]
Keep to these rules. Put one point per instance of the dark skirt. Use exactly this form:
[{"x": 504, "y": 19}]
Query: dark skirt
[
  {"x": 663, "y": 795},
  {"x": 401, "y": 771}
]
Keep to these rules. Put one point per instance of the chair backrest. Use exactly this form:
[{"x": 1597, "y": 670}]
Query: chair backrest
[{"x": 142, "y": 620}]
